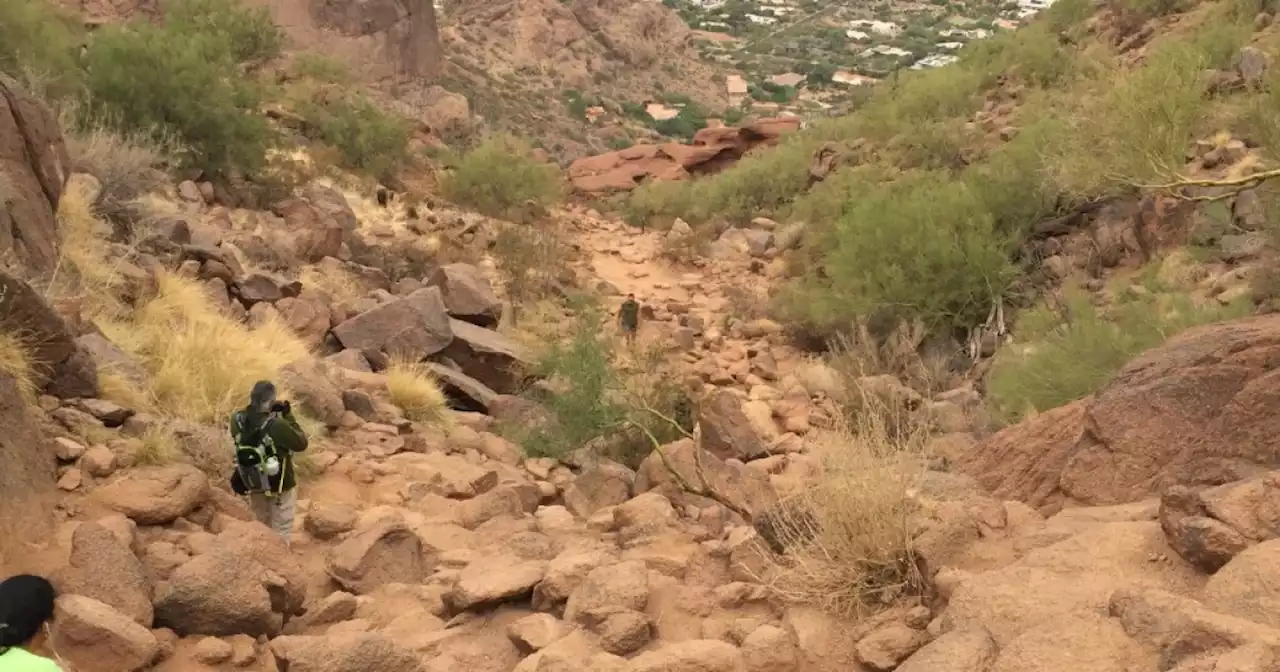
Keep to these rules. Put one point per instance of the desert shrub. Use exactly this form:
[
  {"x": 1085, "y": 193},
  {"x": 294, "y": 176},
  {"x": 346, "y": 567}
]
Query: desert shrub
[
  {"x": 1014, "y": 184},
  {"x": 1221, "y": 35},
  {"x": 851, "y": 532},
  {"x": 501, "y": 174},
  {"x": 1256, "y": 115},
  {"x": 414, "y": 389},
  {"x": 184, "y": 79},
  {"x": 127, "y": 166},
  {"x": 531, "y": 258},
  {"x": 923, "y": 247},
  {"x": 1131, "y": 14},
  {"x": 684, "y": 125},
  {"x": 1033, "y": 54},
  {"x": 368, "y": 139},
  {"x": 902, "y": 353},
  {"x": 598, "y": 405},
  {"x": 249, "y": 36},
  {"x": 920, "y": 96},
  {"x": 321, "y": 68},
  {"x": 1131, "y": 127},
  {"x": 1062, "y": 16},
  {"x": 201, "y": 359},
  {"x": 38, "y": 40},
  {"x": 1071, "y": 348}
]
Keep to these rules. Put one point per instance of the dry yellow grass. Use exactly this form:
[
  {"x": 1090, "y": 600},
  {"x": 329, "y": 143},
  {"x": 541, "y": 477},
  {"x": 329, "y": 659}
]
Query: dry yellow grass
[
  {"x": 84, "y": 267},
  {"x": 414, "y": 389},
  {"x": 156, "y": 446},
  {"x": 15, "y": 360},
  {"x": 850, "y": 533},
  {"x": 118, "y": 388},
  {"x": 202, "y": 362},
  {"x": 340, "y": 284}
]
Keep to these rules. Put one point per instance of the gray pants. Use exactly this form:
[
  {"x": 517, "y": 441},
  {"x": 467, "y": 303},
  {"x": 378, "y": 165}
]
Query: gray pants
[{"x": 275, "y": 512}]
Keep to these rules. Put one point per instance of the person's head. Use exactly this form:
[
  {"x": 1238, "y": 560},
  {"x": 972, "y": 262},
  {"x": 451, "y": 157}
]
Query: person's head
[
  {"x": 631, "y": 297},
  {"x": 26, "y": 604},
  {"x": 262, "y": 396}
]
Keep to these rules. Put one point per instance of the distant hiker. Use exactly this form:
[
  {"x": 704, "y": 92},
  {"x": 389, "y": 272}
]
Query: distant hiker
[
  {"x": 26, "y": 605},
  {"x": 629, "y": 319},
  {"x": 266, "y": 436}
]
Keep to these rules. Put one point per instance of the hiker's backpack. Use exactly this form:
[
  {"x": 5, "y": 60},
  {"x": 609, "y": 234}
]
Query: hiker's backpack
[{"x": 257, "y": 460}]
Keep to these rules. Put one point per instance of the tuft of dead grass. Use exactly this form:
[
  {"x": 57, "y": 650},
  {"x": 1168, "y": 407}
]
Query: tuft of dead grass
[
  {"x": 158, "y": 445},
  {"x": 120, "y": 389},
  {"x": 16, "y": 361},
  {"x": 339, "y": 284},
  {"x": 202, "y": 361},
  {"x": 414, "y": 389},
  {"x": 126, "y": 166},
  {"x": 902, "y": 354},
  {"x": 849, "y": 536}
]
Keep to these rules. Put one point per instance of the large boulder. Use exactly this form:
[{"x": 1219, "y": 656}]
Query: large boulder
[
  {"x": 712, "y": 150},
  {"x": 34, "y": 167},
  {"x": 104, "y": 568},
  {"x": 463, "y": 391},
  {"x": 308, "y": 381},
  {"x": 1194, "y": 411},
  {"x": 496, "y": 361},
  {"x": 49, "y": 340},
  {"x": 156, "y": 495},
  {"x": 495, "y": 579},
  {"x": 467, "y": 294},
  {"x": 1025, "y": 461},
  {"x": 727, "y": 430},
  {"x": 317, "y": 229},
  {"x": 94, "y": 637},
  {"x": 378, "y": 553},
  {"x": 415, "y": 326},
  {"x": 343, "y": 652},
  {"x": 247, "y": 582},
  {"x": 29, "y": 474},
  {"x": 744, "y": 487}
]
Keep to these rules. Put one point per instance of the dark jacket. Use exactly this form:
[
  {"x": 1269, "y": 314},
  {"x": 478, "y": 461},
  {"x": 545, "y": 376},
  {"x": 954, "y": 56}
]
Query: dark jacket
[{"x": 288, "y": 438}]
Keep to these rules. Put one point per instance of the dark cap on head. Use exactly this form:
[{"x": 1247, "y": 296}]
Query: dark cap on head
[
  {"x": 26, "y": 603},
  {"x": 263, "y": 395}
]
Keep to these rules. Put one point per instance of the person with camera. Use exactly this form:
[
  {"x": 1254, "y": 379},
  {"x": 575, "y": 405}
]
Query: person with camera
[{"x": 266, "y": 436}]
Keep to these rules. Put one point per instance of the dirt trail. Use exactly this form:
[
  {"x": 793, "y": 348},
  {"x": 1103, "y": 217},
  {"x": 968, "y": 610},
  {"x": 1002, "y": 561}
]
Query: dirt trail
[{"x": 630, "y": 259}]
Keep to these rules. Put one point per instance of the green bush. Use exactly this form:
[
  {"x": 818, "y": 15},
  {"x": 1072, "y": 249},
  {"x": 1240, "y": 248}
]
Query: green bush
[
  {"x": 369, "y": 140},
  {"x": 920, "y": 248},
  {"x": 1133, "y": 126},
  {"x": 38, "y": 40},
  {"x": 684, "y": 125},
  {"x": 184, "y": 80},
  {"x": 249, "y": 36},
  {"x": 1071, "y": 350},
  {"x": 597, "y": 405},
  {"x": 501, "y": 174}
]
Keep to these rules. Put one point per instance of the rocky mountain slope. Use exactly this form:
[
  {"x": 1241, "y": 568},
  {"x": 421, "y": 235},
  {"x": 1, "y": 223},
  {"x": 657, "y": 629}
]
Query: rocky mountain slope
[
  {"x": 514, "y": 66},
  {"x": 434, "y": 543},
  {"x": 850, "y": 510}
]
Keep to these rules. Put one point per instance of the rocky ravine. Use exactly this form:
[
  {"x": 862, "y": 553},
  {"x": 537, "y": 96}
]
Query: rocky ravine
[{"x": 432, "y": 547}]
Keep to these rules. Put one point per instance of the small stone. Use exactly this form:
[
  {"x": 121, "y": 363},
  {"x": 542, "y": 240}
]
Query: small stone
[
  {"x": 71, "y": 480},
  {"x": 212, "y": 651}
]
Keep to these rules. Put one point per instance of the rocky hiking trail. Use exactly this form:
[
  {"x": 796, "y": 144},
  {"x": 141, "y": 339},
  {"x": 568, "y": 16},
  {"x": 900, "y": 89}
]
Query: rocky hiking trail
[{"x": 1090, "y": 538}]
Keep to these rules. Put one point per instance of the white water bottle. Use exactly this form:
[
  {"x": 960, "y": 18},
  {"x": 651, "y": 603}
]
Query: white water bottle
[{"x": 272, "y": 466}]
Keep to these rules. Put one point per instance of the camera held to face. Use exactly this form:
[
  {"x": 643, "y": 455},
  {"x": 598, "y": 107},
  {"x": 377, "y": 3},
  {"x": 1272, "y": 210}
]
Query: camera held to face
[{"x": 281, "y": 407}]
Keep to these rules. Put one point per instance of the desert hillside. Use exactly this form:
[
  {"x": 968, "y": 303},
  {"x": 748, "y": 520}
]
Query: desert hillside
[
  {"x": 976, "y": 378},
  {"x": 572, "y": 77}
]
